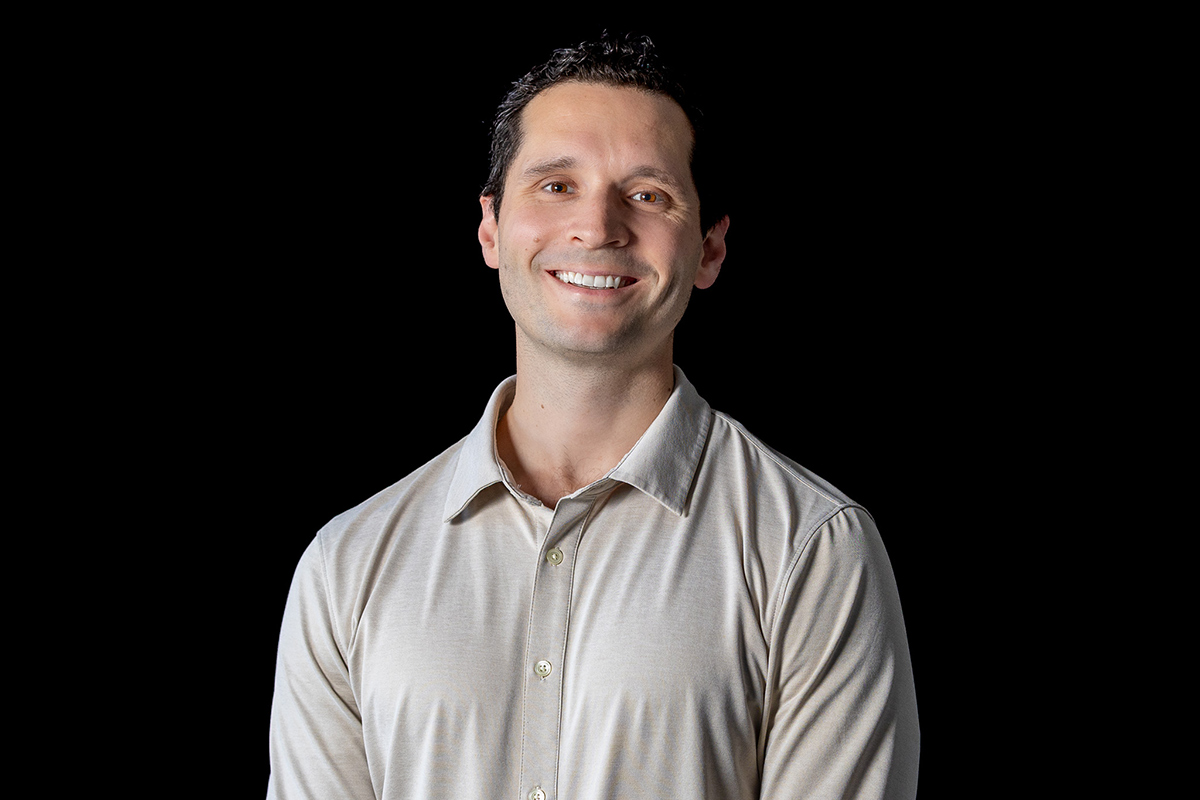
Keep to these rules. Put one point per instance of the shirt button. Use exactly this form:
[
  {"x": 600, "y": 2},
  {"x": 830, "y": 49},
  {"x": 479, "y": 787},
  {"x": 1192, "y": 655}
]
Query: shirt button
[
  {"x": 543, "y": 668},
  {"x": 555, "y": 556},
  {"x": 537, "y": 794}
]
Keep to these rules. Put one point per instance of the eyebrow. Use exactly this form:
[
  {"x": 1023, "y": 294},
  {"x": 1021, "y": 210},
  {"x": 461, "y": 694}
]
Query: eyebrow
[
  {"x": 658, "y": 176},
  {"x": 543, "y": 169}
]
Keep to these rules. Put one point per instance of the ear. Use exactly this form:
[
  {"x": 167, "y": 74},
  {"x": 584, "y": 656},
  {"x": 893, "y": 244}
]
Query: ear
[
  {"x": 713, "y": 255},
  {"x": 488, "y": 233}
]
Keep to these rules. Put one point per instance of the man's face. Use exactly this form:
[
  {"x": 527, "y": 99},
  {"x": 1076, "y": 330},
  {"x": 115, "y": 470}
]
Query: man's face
[{"x": 601, "y": 188}]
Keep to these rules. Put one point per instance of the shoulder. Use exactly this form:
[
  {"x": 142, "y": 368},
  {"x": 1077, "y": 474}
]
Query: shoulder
[
  {"x": 810, "y": 537},
  {"x": 349, "y": 556},
  {"x": 767, "y": 476},
  {"x": 371, "y": 525},
  {"x": 777, "y": 506}
]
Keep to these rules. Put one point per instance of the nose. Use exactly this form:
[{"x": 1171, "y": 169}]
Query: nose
[{"x": 601, "y": 220}]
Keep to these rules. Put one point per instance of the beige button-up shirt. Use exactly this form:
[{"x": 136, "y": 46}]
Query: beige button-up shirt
[{"x": 708, "y": 620}]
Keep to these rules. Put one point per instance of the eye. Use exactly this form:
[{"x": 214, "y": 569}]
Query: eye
[
  {"x": 556, "y": 187},
  {"x": 648, "y": 197}
]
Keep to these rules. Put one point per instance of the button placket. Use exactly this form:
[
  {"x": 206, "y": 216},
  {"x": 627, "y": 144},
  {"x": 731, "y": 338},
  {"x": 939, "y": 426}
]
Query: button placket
[{"x": 545, "y": 647}]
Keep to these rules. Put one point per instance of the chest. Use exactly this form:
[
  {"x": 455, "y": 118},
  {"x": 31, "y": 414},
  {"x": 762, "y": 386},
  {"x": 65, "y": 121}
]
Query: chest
[{"x": 553, "y": 630}]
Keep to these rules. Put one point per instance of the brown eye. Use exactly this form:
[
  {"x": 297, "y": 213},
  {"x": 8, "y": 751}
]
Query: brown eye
[
  {"x": 648, "y": 197},
  {"x": 556, "y": 187}
]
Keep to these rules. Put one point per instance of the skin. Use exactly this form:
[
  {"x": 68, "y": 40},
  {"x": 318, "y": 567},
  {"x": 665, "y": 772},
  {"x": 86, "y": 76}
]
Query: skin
[{"x": 602, "y": 186}]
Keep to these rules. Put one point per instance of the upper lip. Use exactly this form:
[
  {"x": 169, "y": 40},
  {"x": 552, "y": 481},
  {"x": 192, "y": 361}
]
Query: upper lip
[{"x": 592, "y": 272}]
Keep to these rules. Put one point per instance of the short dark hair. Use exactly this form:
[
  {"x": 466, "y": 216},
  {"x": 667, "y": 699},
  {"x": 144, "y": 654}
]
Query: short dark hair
[{"x": 627, "y": 60}]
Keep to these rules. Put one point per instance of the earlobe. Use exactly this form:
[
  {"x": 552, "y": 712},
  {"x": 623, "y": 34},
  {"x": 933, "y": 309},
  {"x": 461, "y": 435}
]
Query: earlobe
[
  {"x": 488, "y": 231},
  {"x": 713, "y": 255}
]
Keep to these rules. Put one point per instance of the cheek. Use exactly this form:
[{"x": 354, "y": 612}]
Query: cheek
[
  {"x": 524, "y": 235},
  {"x": 684, "y": 254}
]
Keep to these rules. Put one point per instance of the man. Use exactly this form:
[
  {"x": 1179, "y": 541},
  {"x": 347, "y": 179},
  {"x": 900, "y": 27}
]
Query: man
[{"x": 606, "y": 589}]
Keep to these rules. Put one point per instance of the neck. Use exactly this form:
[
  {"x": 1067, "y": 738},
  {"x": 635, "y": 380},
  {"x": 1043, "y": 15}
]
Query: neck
[{"x": 572, "y": 420}]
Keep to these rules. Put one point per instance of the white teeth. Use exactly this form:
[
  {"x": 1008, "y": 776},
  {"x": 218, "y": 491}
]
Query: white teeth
[{"x": 591, "y": 281}]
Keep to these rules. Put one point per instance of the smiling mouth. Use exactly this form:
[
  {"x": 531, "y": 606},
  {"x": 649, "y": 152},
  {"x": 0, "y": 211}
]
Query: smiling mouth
[{"x": 593, "y": 281}]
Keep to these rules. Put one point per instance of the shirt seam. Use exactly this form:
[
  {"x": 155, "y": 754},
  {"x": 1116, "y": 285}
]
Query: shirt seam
[
  {"x": 786, "y": 586},
  {"x": 766, "y": 451},
  {"x": 525, "y": 684},
  {"x": 562, "y": 681},
  {"x": 333, "y": 621}
]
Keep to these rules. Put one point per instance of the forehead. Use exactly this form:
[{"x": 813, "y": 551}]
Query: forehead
[{"x": 601, "y": 124}]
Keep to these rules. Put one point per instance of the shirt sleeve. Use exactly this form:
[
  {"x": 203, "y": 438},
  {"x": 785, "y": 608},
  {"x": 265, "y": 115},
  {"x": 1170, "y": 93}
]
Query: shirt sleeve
[
  {"x": 842, "y": 716},
  {"x": 316, "y": 742}
]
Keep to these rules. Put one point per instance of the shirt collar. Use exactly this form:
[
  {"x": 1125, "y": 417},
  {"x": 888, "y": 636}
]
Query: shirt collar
[
  {"x": 661, "y": 464},
  {"x": 479, "y": 465}
]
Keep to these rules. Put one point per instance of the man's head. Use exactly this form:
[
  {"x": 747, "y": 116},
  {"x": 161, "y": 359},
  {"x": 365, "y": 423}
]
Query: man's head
[
  {"x": 629, "y": 61},
  {"x": 603, "y": 234}
]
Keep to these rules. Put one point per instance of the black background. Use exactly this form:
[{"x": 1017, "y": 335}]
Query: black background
[{"x": 331, "y": 325}]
